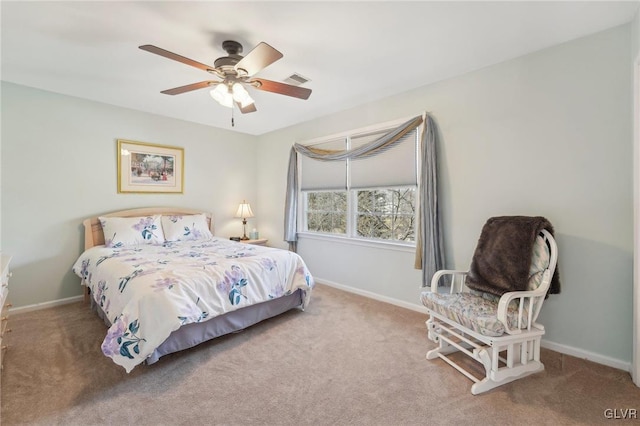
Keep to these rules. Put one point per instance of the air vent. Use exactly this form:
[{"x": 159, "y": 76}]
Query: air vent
[{"x": 296, "y": 79}]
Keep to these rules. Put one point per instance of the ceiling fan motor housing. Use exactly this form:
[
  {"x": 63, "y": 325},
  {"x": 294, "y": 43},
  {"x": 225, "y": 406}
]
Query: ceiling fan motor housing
[{"x": 227, "y": 63}]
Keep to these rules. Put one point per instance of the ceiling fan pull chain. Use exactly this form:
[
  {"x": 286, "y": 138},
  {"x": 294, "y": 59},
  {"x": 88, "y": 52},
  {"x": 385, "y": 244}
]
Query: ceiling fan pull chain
[{"x": 232, "y": 122}]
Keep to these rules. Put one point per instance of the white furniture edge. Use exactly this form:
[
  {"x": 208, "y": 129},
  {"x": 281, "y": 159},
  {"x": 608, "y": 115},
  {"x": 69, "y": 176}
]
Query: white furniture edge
[{"x": 635, "y": 365}]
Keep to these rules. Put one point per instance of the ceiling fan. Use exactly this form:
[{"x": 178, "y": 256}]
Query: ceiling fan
[{"x": 235, "y": 72}]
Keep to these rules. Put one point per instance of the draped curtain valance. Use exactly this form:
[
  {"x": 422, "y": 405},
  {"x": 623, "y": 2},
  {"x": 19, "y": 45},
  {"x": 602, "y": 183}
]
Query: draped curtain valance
[
  {"x": 369, "y": 150},
  {"x": 429, "y": 244}
]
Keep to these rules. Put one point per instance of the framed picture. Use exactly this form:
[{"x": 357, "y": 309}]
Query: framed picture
[{"x": 145, "y": 167}]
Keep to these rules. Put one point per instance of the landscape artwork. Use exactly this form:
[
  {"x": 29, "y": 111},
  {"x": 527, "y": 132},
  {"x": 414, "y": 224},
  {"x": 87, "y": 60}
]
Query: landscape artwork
[{"x": 145, "y": 167}]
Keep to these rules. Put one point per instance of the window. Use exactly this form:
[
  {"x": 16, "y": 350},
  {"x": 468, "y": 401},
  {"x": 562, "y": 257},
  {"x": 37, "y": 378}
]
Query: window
[
  {"x": 367, "y": 199},
  {"x": 386, "y": 214},
  {"x": 327, "y": 212}
]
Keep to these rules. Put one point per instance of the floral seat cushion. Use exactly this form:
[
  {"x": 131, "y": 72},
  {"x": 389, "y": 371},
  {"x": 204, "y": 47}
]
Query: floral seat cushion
[{"x": 473, "y": 311}]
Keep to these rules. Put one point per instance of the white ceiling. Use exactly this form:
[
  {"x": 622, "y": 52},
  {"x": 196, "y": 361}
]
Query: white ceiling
[{"x": 353, "y": 52}]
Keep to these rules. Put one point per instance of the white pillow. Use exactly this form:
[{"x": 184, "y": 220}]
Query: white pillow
[
  {"x": 186, "y": 228},
  {"x": 128, "y": 231}
]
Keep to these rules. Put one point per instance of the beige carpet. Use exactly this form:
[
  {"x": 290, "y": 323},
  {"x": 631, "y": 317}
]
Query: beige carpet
[{"x": 345, "y": 360}]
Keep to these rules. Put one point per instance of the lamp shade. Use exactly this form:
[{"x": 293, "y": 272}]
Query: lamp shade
[{"x": 244, "y": 210}]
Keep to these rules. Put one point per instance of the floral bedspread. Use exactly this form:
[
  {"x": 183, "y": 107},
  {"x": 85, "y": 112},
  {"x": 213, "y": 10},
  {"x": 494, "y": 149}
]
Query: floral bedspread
[{"x": 148, "y": 291}]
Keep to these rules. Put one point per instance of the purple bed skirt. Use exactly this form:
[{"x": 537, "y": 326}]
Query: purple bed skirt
[{"x": 191, "y": 335}]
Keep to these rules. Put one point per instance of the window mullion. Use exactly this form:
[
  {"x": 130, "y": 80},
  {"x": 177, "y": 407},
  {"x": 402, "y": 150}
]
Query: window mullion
[
  {"x": 350, "y": 202},
  {"x": 352, "y": 211}
]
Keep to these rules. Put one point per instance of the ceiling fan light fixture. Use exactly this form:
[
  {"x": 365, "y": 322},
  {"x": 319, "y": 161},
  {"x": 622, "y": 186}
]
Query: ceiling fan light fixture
[
  {"x": 221, "y": 95},
  {"x": 241, "y": 95}
]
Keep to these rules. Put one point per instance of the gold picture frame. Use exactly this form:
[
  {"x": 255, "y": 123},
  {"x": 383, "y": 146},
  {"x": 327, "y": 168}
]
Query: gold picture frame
[{"x": 149, "y": 168}]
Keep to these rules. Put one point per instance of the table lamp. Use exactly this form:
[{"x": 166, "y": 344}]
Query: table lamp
[{"x": 244, "y": 211}]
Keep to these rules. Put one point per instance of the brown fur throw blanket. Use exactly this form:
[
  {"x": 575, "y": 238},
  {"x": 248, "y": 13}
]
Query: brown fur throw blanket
[{"x": 502, "y": 258}]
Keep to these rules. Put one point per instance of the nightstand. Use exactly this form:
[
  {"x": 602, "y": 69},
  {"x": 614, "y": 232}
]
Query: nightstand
[{"x": 258, "y": 242}]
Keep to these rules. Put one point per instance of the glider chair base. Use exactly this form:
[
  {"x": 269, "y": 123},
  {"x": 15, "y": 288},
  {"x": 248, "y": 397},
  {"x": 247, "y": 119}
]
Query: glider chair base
[{"x": 504, "y": 359}]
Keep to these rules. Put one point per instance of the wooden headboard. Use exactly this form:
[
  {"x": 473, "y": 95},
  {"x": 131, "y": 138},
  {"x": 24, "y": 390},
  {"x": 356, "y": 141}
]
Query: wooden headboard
[{"x": 93, "y": 235}]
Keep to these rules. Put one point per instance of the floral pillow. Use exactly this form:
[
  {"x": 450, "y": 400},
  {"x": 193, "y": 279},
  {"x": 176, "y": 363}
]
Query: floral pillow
[
  {"x": 128, "y": 231},
  {"x": 186, "y": 228}
]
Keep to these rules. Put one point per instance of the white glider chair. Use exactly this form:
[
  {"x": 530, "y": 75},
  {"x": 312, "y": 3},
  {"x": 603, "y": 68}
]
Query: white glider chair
[{"x": 499, "y": 332}]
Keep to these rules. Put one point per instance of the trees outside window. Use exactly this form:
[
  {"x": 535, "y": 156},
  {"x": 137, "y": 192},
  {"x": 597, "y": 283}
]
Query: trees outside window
[{"x": 377, "y": 213}]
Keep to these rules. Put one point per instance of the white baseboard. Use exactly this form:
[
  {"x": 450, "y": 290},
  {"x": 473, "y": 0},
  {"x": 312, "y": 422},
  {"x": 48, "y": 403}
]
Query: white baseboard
[
  {"x": 588, "y": 355},
  {"x": 45, "y": 305},
  {"x": 563, "y": 349},
  {"x": 372, "y": 295}
]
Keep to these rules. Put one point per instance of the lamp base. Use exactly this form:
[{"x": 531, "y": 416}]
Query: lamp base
[{"x": 244, "y": 230}]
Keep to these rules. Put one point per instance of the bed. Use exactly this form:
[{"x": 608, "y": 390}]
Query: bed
[{"x": 163, "y": 283}]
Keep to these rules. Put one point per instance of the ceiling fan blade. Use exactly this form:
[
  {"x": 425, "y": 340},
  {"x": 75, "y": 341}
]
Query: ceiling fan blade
[
  {"x": 249, "y": 108},
  {"x": 189, "y": 87},
  {"x": 281, "y": 88},
  {"x": 260, "y": 57},
  {"x": 176, "y": 57}
]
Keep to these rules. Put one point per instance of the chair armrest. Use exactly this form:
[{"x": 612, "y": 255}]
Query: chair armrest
[
  {"x": 454, "y": 273},
  {"x": 535, "y": 298}
]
